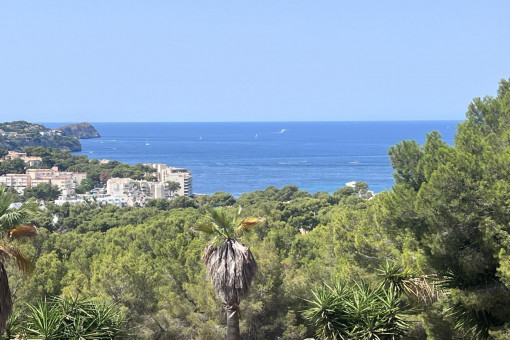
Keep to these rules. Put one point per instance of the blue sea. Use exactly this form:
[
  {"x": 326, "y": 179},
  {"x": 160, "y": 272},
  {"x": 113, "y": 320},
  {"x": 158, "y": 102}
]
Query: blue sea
[{"x": 243, "y": 157}]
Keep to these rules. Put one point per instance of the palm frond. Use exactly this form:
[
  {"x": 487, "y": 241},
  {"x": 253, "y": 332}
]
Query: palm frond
[
  {"x": 10, "y": 252},
  {"x": 248, "y": 223},
  {"x": 205, "y": 228},
  {"x": 222, "y": 220},
  {"x": 12, "y": 218}
]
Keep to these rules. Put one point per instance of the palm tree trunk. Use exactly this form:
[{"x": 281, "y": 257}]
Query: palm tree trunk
[
  {"x": 233, "y": 332},
  {"x": 5, "y": 298}
]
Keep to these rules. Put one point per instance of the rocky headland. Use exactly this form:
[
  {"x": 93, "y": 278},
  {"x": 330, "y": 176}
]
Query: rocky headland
[{"x": 82, "y": 130}]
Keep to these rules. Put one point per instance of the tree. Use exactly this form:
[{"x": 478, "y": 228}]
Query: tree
[
  {"x": 13, "y": 225},
  {"x": 172, "y": 187},
  {"x": 230, "y": 264},
  {"x": 14, "y": 166},
  {"x": 43, "y": 191},
  {"x": 449, "y": 210},
  {"x": 86, "y": 185}
]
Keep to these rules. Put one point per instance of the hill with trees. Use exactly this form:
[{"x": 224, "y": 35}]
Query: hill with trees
[{"x": 17, "y": 135}]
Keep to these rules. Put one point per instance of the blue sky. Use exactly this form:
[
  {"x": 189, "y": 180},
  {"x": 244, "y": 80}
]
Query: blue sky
[{"x": 63, "y": 61}]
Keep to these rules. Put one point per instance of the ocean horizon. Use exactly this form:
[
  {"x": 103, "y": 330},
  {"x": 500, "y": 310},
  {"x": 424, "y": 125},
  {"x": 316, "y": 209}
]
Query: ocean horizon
[{"x": 239, "y": 157}]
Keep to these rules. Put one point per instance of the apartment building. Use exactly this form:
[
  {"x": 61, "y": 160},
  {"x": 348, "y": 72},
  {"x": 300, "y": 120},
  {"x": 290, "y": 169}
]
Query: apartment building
[
  {"x": 182, "y": 176},
  {"x": 138, "y": 192},
  {"x": 67, "y": 182},
  {"x": 17, "y": 181},
  {"x": 119, "y": 186},
  {"x": 29, "y": 160}
]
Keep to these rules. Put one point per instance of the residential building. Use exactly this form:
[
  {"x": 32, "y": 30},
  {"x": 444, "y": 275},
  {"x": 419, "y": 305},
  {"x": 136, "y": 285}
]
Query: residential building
[
  {"x": 17, "y": 181},
  {"x": 182, "y": 176},
  {"x": 29, "y": 160},
  {"x": 67, "y": 182}
]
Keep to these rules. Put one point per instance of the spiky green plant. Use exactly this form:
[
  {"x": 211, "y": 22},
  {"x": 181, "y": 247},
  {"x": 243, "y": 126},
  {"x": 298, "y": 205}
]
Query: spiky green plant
[
  {"x": 13, "y": 225},
  {"x": 358, "y": 311},
  {"x": 419, "y": 288},
  {"x": 74, "y": 318},
  {"x": 230, "y": 264}
]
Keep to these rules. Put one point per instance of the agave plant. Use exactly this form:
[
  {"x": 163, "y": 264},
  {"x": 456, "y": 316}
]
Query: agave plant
[
  {"x": 14, "y": 224},
  {"x": 230, "y": 264}
]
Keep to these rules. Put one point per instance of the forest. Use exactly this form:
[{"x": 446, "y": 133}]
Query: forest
[{"x": 428, "y": 259}]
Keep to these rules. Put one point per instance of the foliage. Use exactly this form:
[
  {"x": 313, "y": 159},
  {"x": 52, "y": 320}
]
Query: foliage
[
  {"x": 74, "y": 318},
  {"x": 172, "y": 187},
  {"x": 13, "y": 226},
  {"x": 13, "y": 166},
  {"x": 42, "y": 191},
  {"x": 357, "y": 311}
]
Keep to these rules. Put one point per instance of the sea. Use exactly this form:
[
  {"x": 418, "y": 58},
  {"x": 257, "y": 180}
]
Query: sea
[{"x": 243, "y": 157}]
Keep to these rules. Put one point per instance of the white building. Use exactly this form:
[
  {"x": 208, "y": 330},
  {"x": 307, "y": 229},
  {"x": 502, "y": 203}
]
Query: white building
[
  {"x": 182, "y": 176},
  {"x": 17, "y": 181},
  {"x": 119, "y": 186}
]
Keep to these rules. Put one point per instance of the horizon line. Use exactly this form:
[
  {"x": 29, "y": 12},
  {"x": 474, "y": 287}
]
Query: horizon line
[{"x": 265, "y": 121}]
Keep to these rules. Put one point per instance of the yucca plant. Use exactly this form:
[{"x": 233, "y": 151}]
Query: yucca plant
[
  {"x": 359, "y": 311},
  {"x": 418, "y": 288},
  {"x": 14, "y": 224},
  {"x": 230, "y": 264},
  {"x": 74, "y": 318}
]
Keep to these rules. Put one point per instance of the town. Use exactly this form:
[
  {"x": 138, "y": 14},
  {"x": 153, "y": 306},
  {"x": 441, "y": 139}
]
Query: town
[{"x": 167, "y": 183}]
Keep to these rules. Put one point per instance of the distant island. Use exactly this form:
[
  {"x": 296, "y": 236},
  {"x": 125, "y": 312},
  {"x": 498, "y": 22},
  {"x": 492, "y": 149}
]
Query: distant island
[{"x": 17, "y": 135}]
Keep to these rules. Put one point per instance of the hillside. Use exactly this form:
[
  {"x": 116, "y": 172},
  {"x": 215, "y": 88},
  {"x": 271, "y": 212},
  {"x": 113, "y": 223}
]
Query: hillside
[{"x": 19, "y": 134}]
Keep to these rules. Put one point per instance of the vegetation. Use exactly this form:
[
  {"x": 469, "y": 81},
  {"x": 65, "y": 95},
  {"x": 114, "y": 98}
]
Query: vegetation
[
  {"x": 20, "y": 134},
  {"x": 73, "y": 318},
  {"x": 13, "y": 226},
  {"x": 429, "y": 259},
  {"x": 42, "y": 191},
  {"x": 357, "y": 311}
]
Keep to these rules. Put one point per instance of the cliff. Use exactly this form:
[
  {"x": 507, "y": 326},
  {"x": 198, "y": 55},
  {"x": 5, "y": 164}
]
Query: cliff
[{"x": 80, "y": 130}]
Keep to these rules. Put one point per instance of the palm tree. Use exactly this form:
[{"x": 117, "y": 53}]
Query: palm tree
[
  {"x": 230, "y": 264},
  {"x": 13, "y": 225}
]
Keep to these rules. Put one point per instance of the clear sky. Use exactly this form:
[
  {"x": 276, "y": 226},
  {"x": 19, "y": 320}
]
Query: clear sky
[{"x": 105, "y": 60}]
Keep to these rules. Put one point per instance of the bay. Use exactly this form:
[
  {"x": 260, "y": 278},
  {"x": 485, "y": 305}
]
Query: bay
[{"x": 243, "y": 157}]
